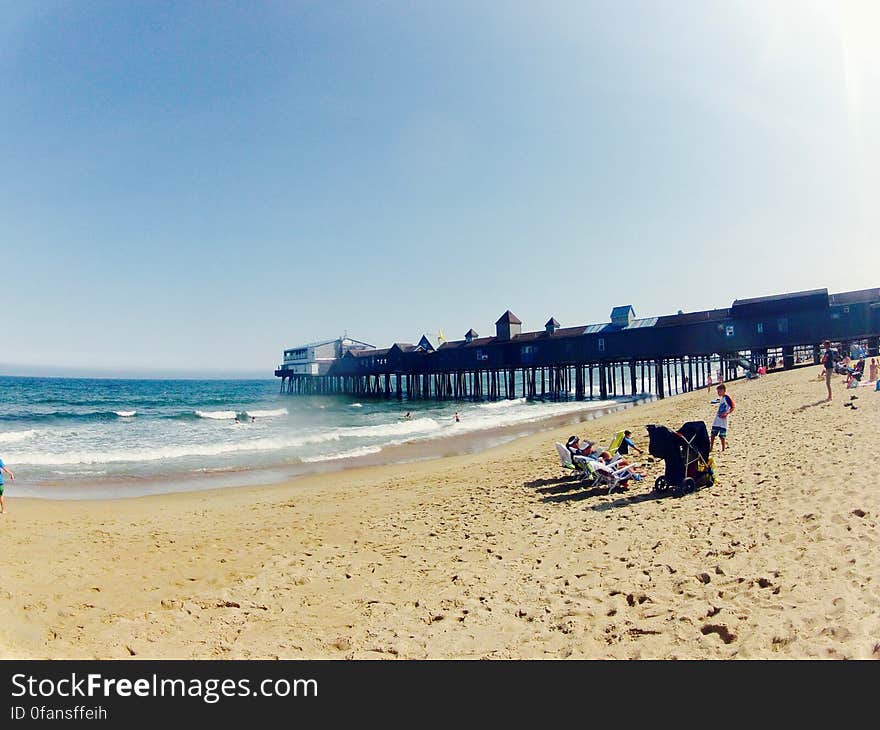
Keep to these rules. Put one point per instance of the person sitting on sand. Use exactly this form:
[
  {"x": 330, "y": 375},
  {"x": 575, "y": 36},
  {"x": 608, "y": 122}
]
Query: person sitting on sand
[{"x": 627, "y": 444}]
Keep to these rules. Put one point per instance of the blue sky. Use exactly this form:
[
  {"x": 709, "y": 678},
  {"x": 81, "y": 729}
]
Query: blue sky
[{"x": 197, "y": 185}]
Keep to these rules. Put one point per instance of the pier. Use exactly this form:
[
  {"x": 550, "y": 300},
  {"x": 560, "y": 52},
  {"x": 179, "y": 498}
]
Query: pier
[{"x": 627, "y": 356}]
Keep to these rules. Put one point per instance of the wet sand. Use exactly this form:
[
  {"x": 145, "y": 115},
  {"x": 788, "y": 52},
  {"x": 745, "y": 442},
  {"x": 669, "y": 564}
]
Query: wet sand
[{"x": 492, "y": 555}]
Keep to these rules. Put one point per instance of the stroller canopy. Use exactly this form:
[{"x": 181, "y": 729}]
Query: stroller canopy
[
  {"x": 663, "y": 443},
  {"x": 698, "y": 435}
]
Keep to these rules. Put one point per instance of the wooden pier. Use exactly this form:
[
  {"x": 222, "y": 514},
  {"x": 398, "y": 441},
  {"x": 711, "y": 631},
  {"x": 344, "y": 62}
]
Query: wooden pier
[{"x": 658, "y": 356}]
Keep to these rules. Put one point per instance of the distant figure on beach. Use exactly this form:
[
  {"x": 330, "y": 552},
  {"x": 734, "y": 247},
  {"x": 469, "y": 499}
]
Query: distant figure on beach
[
  {"x": 828, "y": 362},
  {"x": 408, "y": 416},
  {"x": 710, "y": 382},
  {"x": 684, "y": 382},
  {"x": 627, "y": 444},
  {"x": 721, "y": 422},
  {"x": 872, "y": 370},
  {"x": 253, "y": 419},
  {"x": 236, "y": 420},
  {"x": 4, "y": 470},
  {"x": 457, "y": 417}
]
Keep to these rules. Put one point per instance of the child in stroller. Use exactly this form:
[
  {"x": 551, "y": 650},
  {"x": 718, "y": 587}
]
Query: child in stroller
[{"x": 686, "y": 454}]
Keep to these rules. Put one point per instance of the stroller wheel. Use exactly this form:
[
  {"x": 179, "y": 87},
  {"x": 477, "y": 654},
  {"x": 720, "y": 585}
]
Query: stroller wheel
[
  {"x": 688, "y": 485},
  {"x": 660, "y": 484}
]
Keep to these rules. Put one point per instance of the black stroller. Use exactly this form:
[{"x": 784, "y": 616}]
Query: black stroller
[{"x": 686, "y": 453}]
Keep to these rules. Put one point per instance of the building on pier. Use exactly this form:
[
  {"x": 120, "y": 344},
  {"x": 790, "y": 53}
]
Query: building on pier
[
  {"x": 317, "y": 357},
  {"x": 625, "y": 356}
]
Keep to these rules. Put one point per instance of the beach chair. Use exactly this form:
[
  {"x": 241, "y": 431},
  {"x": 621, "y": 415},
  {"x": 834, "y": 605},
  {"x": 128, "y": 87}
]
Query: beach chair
[
  {"x": 616, "y": 442},
  {"x": 580, "y": 466},
  {"x": 614, "y": 448},
  {"x": 614, "y": 477}
]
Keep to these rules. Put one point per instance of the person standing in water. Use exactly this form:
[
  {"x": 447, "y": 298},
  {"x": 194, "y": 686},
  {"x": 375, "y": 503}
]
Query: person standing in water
[
  {"x": 457, "y": 418},
  {"x": 4, "y": 470}
]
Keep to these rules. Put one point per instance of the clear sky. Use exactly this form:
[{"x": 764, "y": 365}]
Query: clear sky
[{"x": 189, "y": 185}]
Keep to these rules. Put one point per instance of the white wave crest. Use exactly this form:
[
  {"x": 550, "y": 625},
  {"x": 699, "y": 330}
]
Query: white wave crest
[
  {"x": 350, "y": 454},
  {"x": 159, "y": 453},
  {"x": 14, "y": 437},
  {"x": 217, "y": 415},
  {"x": 357, "y": 405},
  {"x": 125, "y": 414},
  {"x": 268, "y": 414},
  {"x": 398, "y": 428},
  {"x": 497, "y": 405}
]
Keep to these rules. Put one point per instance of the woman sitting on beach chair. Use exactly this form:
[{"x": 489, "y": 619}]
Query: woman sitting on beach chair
[
  {"x": 576, "y": 447},
  {"x": 855, "y": 374}
]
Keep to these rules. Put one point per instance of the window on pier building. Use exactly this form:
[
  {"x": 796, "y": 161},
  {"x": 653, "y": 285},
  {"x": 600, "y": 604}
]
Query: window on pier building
[
  {"x": 482, "y": 355},
  {"x": 782, "y": 324},
  {"x": 601, "y": 344},
  {"x": 527, "y": 353},
  {"x": 760, "y": 328},
  {"x": 729, "y": 330}
]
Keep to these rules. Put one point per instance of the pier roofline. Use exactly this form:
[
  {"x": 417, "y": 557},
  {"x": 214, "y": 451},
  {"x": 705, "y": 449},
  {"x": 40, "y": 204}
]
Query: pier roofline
[{"x": 749, "y": 333}]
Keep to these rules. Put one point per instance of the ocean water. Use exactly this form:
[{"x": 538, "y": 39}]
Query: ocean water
[{"x": 88, "y": 437}]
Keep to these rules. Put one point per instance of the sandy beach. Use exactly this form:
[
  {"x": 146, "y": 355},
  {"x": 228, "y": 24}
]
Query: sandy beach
[{"x": 490, "y": 555}]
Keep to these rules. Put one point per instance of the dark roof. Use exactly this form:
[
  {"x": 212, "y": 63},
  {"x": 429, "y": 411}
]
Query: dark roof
[
  {"x": 552, "y": 322},
  {"x": 471, "y": 333},
  {"x": 622, "y": 311},
  {"x": 425, "y": 343},
  {"x": 780, "y": 297},
  {"x": 709, "y": 315},
  {"x": 559, "y": 334},
  {"x": 464, "y": 343},
  {"x": 403, "y": 346},
  {"x": 855, "y": 297},
  {"x": 366, "y": 353},
  {"x": 509, "y": 318}
]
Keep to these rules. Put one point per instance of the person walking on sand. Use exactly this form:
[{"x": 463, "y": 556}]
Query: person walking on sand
[
  {"x": 720, "y": 424},
  {"x": 828, "y": 362},
  {"x": 872, "y": 370},
  {"x": 4, "y": 470}
]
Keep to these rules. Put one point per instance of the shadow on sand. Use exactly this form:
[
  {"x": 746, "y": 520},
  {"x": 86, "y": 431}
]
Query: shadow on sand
[
  {"x": 564, "y": 479},
  {"x": 819, "y": 402},
  {"x": 577, "y": 496}
]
